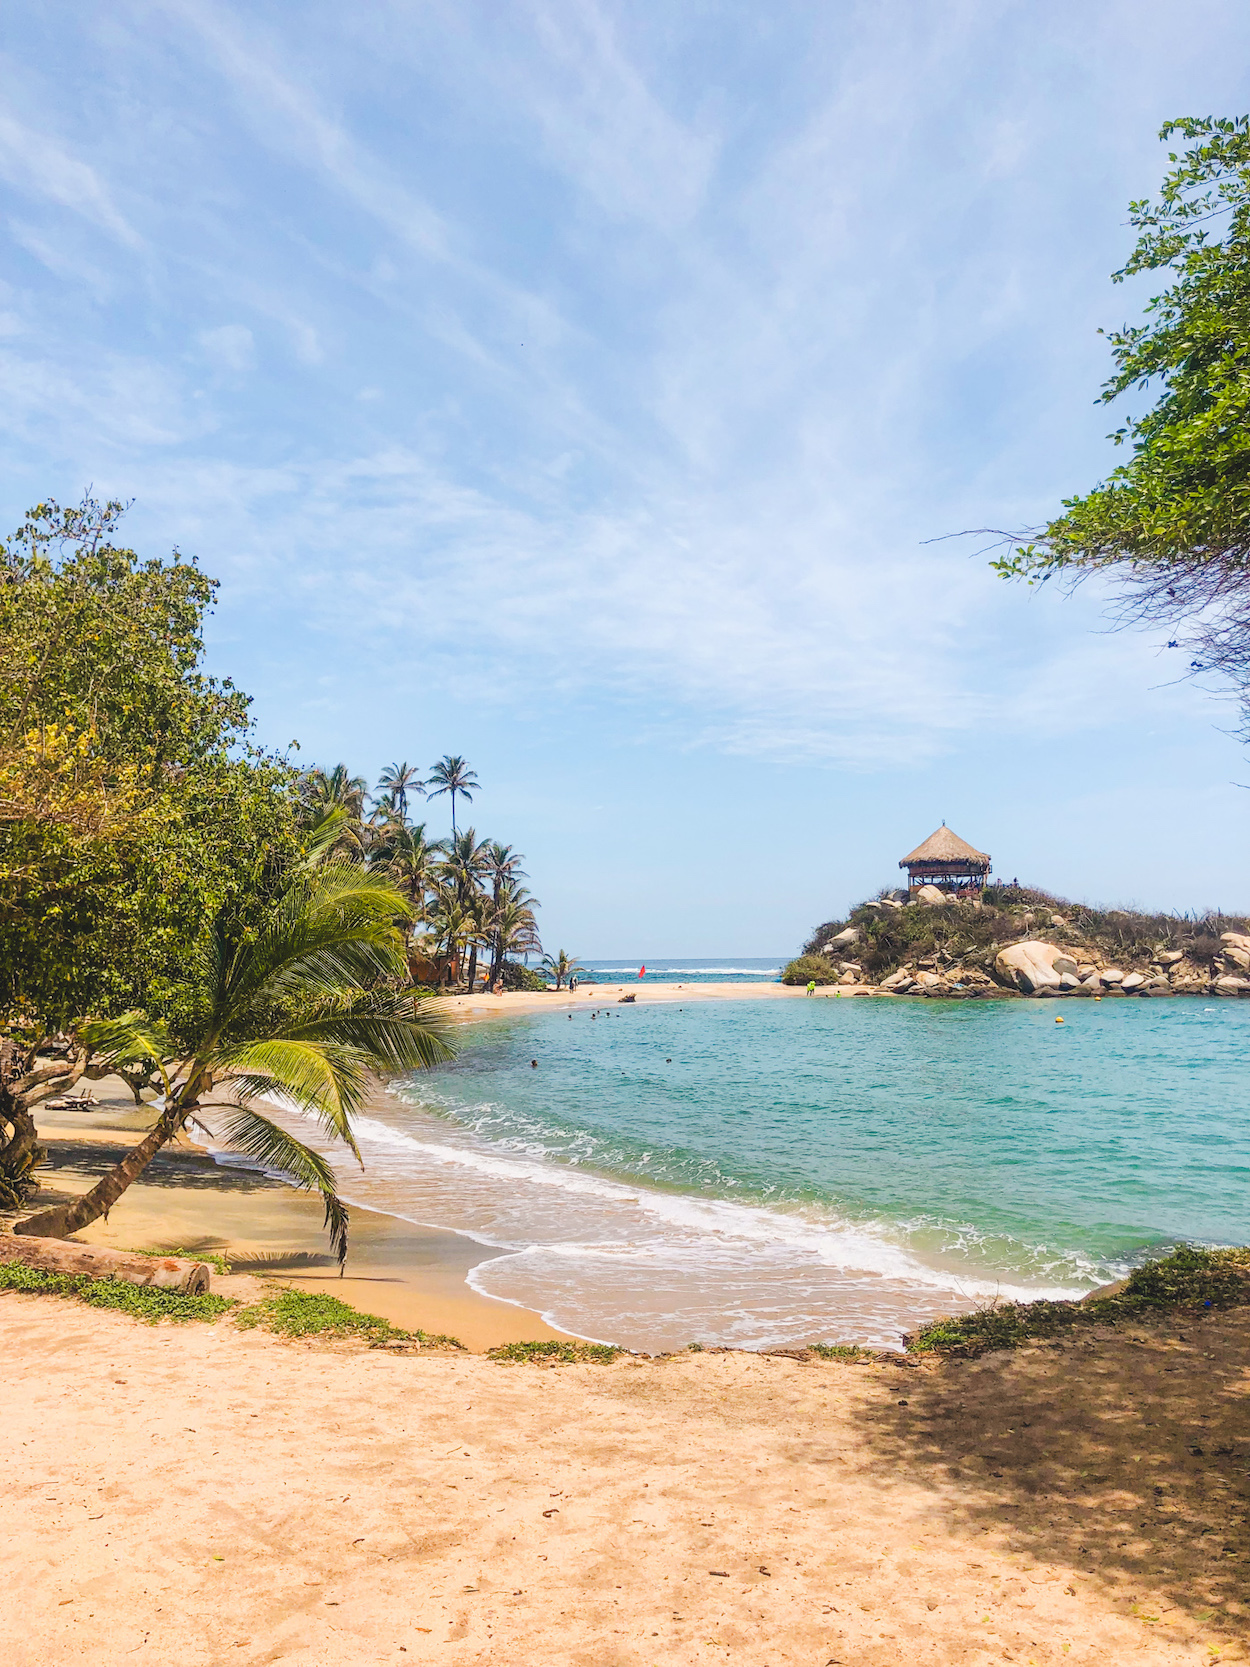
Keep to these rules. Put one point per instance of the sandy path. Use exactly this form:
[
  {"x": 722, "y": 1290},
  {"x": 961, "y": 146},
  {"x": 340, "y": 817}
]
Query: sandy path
[{"x": 197, "y": 1495}]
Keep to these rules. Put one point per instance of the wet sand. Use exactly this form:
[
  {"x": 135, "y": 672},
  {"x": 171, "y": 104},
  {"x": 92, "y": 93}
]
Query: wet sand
[
  {"x": 412, "y": 1275},
  {"x": 203, "y": 1496}
]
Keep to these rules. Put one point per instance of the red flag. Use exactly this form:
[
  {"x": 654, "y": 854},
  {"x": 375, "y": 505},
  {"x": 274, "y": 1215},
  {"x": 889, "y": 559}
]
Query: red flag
[{"x": 642, "y": 971}]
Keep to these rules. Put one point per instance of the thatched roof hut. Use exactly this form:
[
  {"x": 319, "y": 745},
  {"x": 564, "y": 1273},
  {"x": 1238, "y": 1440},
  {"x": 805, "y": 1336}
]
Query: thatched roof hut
[{"x": 946, "y": 860}]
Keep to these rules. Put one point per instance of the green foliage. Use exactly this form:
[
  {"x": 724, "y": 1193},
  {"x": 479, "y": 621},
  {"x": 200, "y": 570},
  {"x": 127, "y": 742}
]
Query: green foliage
[
  {"x": 563, "y": 967},
  {"x": 143, "y": 1302},
  {"x": 514, "y": 976},
  {"x": 316, "y": 1314},
  {"x": 555, "y": 1351},
  {"x": 808, "y": 969},
  {"x": 1188, "y": 1278},
  {"x": 130, "y": 808},
  {"x": 1173, "y": 522},
  {"x": 840, "y": 1351}
]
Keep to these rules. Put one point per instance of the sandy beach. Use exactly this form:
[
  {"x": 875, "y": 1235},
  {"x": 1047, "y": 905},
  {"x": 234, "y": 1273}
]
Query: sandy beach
[
  {"x": 201, "y": 1495},
  {"x": 413, "y": 1275},
  {"x": 486, "y": 1006},
  {"x": 410, "y": 1274}
]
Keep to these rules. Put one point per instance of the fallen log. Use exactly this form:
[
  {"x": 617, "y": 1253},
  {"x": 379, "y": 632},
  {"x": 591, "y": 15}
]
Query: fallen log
[{"x": 171, "y": 1273}]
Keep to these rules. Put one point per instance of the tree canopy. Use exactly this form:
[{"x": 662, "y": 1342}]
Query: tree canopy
[
  {"x": 1172, "y": 523},
  {"x": 132, "y": 808}
]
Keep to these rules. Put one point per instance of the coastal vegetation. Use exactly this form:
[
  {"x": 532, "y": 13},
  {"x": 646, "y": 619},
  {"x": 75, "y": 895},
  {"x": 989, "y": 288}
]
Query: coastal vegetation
[
  {"x": 1188, "y": 1279},
  {"x": 810, "y": 969},
  {"x": 959, "y": 946},
  {"x": 181, "y": 907},
  {"x": 1171, "y": 525}
]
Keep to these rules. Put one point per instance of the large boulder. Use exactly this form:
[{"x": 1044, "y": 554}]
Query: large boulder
[
  {"x": 1033, "y": 966},
  {"x": 1134, "y": 981},
  {"x": 849, "y": 935},
  {"x": 1235, "y": 940},
  {"x": 1238, "y": 956},
  {"x": 933, "y": 896}
]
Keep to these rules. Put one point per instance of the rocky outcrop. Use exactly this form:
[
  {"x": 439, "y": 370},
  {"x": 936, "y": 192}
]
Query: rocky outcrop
[
  {"x": 1032, "y": 966},
  {"x": 933, "y": 897}
]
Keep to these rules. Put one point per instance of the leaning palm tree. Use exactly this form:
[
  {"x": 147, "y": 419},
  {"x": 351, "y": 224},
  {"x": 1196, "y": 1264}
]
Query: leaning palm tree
[
  {"x": 562, "y": 966},
  {"x": 300, "y": 1005},
  {"x": 397, "y": 781},
  {"x": 452, "y": 775}
]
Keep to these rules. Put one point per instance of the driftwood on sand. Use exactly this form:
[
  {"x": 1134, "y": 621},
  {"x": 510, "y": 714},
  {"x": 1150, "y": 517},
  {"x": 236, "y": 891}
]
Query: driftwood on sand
[{"x": 171, "y": 1273}]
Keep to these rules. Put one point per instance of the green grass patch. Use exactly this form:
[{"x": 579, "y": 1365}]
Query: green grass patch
[
  {"x": 840, "y": 1351},
  {"x": 1189, "y": 1279},
  {"x": 144, "y": 1302},
  {"x": 317, "y": 1314},
  {"x": 555, "y": 1351}
]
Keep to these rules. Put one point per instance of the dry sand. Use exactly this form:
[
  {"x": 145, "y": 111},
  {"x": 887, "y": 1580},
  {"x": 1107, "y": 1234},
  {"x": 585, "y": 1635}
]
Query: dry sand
[
  {"x": 487, "y": 1006},
  {"x": 199, "y": 1495}
]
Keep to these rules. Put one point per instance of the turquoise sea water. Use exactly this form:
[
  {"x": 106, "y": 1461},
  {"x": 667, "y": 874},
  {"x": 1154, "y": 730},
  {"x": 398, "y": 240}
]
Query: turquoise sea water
[{"x": 761, "y": 1172}]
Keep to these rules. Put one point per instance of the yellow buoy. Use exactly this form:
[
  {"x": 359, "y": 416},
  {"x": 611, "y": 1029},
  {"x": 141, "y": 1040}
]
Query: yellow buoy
[
  {"x": 1058, "y": 1021},
  {"x": 1097, "y": 998}
]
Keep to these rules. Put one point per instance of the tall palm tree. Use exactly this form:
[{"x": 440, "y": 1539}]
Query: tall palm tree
[
  {"x": 503, "y": 868},
  {"x": 397, "y": 781},
  {"x": 562, "y": 966},
  {"x": 302, "y": 1004},
  {"x": 452, "y": 775},
  {"x": 402, "y": 853},
  {"x": 514, "y": 930}
]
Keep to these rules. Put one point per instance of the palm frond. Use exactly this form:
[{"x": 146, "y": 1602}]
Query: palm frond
[
  {"x": 392, "y": 1029},
  {"x": 335, "y": 926},
  {"x": 251, "y": 1132},
  {"x": 322, "y": 1077},
  {"x": 131, "y": 1038}
]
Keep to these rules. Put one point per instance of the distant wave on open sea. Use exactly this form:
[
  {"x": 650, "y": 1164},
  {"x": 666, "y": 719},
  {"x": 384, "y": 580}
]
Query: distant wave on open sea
[
  {"x": 761, "y": 1173},
  {"x": 689, "y": 970}
]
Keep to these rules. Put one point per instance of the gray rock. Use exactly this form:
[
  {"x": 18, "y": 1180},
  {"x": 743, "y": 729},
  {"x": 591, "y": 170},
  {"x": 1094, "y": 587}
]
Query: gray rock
[{"x": 1134, "y": 981}]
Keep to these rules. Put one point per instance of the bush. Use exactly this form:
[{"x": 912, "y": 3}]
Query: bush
[
  {"x": 555, "y": 1351},
  {"x": 516, "y": 977},
  {"x": 810, "y": 969},
  {"x": 1188, "y": 1278}
]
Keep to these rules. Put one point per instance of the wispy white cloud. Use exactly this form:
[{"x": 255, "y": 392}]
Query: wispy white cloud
[{"x": 40, "y": 166}]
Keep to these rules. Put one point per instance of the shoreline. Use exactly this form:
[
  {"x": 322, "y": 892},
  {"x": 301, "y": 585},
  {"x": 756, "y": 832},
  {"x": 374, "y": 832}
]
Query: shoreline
[{"x": 411, "y": 1274}]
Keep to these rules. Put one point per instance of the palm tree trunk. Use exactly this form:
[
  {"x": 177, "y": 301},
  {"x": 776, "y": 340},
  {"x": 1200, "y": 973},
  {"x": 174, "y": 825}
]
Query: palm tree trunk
[
  {"x": 472, "y": 967},
  {"x": 63, "y": 1219}
]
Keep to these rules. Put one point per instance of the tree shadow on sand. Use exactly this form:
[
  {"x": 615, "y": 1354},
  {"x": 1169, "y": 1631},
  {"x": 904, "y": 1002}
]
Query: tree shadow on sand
[{"x": 1121, "y": 1453}]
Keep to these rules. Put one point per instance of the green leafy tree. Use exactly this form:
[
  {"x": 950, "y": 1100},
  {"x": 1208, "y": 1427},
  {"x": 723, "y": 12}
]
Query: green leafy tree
[
  {"x": 302, "y": 1002},
  {"x": 131, "y": 806},
  {"x": 1171, "y": 525}
]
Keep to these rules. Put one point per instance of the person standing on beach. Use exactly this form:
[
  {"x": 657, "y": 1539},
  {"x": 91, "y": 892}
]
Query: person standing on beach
[{"x": 811, "y": 986}]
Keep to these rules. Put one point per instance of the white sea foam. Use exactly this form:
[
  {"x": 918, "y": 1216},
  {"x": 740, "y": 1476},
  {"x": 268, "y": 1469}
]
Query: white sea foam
[{"x": 604, "y": 1258}]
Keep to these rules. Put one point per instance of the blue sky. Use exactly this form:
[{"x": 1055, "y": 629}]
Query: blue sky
[{"x": 575, "y": 387}]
